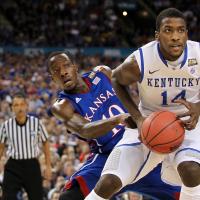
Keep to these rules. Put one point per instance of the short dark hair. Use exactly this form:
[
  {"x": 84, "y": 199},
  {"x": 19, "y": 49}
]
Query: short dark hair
[
  {"x": 19, "y": 95},
  {"x": 67, "y": 53},
  {"x": 169, "y": 12}
]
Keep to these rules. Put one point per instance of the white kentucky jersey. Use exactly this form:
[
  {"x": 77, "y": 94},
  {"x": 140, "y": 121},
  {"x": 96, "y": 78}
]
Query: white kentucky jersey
[{"x": 162, "y": 83}]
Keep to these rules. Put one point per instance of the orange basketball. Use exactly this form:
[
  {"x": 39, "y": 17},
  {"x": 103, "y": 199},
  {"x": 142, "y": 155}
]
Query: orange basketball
[{"x": 162, "y": 132}]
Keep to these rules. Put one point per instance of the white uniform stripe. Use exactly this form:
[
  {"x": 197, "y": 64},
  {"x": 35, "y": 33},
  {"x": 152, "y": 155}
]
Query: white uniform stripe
[
  {"x": 24, "y": 146},
  {"x": 43, "y": 132},
  {"x": 28, "y": 147},
  {"x": 2, "y": 134},
  {"x": 19, "y": 142}
]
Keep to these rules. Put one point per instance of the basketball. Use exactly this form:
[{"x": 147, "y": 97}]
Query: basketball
[{"x": 162, "y": 132}]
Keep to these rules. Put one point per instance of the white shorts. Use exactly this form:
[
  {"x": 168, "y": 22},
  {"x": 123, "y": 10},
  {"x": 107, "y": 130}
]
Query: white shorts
[
  {"x": 188, "y": 151},
  {"x": 130, "y": 160}
]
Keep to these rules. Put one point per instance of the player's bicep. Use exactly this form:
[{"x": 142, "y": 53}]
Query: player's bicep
[{"x": 128, "y": 72}]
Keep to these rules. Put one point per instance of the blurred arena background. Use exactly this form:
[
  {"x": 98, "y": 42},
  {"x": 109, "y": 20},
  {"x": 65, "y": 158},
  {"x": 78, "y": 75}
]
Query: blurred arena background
[{"x": 96, "y": 32}]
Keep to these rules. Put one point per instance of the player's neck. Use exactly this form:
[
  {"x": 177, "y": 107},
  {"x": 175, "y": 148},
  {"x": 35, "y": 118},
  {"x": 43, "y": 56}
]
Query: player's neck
[
  {"x": 176, "y": 62},
  {"x": 173, "y": 61}
]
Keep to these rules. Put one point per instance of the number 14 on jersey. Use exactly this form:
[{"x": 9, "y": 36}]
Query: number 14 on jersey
[{"x": 165, "y": 100}]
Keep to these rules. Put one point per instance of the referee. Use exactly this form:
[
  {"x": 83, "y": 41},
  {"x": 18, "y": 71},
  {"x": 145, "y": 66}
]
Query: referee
[{"x": 22, "y": 135}]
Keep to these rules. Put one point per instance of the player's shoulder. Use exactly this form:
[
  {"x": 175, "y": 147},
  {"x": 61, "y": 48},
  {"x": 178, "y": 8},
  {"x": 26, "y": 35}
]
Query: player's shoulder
[
  {"x": 104, "y": 69},
  {"x": 62, "y": 104},
  {"x": 193, "y": 44},
  {"x": 150, "y": 45},
  {"x": 145, "y": 48}
]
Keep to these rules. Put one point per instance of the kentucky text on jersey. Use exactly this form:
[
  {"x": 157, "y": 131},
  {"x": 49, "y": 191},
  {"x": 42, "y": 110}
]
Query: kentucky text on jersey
[
  {"x": 98, "y": 102},
  {"x": 172, "y": 82}
]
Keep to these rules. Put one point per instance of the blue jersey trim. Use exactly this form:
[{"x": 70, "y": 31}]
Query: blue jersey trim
[
  {"x": 86, "y": 164},
  {"x": 160, "y": 55},
  {"x": 185, "y": 149},
  {"x": 132, "y": 144},
  {"x": 142, "y": 166},
  {"x": 185, "y": 56},
  {"x": 142, "y": 64}
]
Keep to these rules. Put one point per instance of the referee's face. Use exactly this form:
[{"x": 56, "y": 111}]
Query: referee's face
[{"x": 19, "y": 106}]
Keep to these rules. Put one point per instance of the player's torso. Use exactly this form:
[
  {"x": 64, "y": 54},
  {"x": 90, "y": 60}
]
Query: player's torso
[
  {"x": 162, "y": 84},
  {"x": 99, "y": 103}
]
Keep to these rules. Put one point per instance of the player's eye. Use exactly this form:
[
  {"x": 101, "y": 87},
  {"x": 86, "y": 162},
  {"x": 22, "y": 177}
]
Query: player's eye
[
  {"x": 182, "y": 30},
  {"x": 56, "y": 69},
  {"x": 167, "y": 30}
]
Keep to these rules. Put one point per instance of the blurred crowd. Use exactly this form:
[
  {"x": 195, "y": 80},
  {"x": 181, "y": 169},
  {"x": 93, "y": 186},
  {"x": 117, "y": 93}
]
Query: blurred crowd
[
  {"x": 30, "y": 74},
  {"x": 77, "y": 23}
]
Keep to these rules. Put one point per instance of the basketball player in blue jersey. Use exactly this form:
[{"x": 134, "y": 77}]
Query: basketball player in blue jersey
[
  {"x": 89, "y": 107},
  {"x": 167, "y": 72}
]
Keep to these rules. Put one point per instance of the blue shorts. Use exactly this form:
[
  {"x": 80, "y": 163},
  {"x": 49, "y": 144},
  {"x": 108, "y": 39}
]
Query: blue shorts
[{"x": 151, "y": 185}]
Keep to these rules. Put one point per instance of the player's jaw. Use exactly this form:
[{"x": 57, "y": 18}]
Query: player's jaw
[
  {"x": 69, "y": 84},
  {"x": 172, "y": 50},
  {"x": 175, "y": 49}
]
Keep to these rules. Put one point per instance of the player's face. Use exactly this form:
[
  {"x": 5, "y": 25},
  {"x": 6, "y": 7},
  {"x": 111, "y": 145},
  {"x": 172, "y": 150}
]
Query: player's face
[
  {"x": 172, "y": 37},
  {"x": 19, "y": 106},
  {"x": 63, "y": 72}
]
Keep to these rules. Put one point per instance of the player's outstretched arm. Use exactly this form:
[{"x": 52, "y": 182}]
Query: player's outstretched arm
[
  {"x": 124, "y": 75},
  {"x": 64, "y": 111}
]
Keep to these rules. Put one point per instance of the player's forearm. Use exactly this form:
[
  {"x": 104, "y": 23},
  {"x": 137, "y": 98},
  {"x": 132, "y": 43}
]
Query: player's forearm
[
  {"x": 198, "y": 106},
  {"x": 2, "y": 147},
  {"x": 98, "y": 128},
  {"x": 126, "y": 99},
  {"x": 47, "y": 154}
]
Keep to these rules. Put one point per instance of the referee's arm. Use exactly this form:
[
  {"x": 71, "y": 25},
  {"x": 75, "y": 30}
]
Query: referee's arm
[
  {"x": 2, "y": 139},
  {"x": 46, "y": 150}
]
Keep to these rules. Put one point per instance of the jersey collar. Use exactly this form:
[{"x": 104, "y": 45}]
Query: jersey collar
[{"x": 165, "y": 62}]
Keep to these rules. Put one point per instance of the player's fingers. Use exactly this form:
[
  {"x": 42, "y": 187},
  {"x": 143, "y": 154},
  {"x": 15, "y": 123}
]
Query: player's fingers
[
  {"x": 184, "y": 102},
  {"x": 184, "y": 114}
]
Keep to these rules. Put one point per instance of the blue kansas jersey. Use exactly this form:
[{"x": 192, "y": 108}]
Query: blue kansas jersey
[{"x": 99, "y": 103}]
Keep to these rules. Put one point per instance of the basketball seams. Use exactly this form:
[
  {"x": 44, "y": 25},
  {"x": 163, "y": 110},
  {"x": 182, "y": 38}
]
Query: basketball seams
[
  {"x": 159, "y": 113},
  {"x": 161, "y": 131},
  {"x": 168, "y": 142}
]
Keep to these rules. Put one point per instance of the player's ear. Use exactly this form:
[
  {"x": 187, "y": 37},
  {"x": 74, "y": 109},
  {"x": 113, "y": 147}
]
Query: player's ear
[
  {"x": 156, "y": 35},
  {"x": 76, "y": 66}
]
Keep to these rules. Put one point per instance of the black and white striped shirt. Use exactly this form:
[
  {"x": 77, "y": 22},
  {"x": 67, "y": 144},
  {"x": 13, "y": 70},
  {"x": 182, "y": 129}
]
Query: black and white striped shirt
[{"x": 23, "y": 140}]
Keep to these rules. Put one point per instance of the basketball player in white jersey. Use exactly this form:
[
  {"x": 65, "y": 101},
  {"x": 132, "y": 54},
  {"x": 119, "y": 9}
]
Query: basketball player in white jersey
[{"x": 167, "y": 71}]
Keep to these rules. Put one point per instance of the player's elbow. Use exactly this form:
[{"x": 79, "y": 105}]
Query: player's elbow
[{"x": 85, "y": 134}]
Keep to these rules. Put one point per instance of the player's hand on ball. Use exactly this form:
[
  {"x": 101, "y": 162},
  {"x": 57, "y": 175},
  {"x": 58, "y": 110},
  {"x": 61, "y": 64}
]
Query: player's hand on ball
[
  {"x": 193, "y": 113},
  {"x": 139, "y": 123}
]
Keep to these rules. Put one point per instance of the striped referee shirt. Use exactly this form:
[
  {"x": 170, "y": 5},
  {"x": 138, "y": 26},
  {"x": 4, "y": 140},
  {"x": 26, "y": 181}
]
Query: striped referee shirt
[{"x": 23, "y": 140}]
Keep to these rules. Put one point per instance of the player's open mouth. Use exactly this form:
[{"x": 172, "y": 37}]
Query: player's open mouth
[
  {"x": 176, "y": 47},
  {"x": 67, "y": 81}
]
